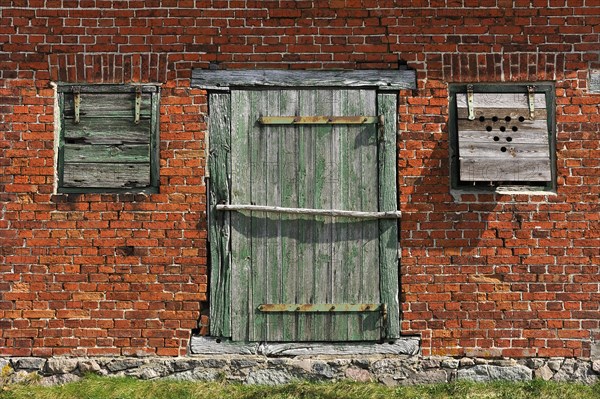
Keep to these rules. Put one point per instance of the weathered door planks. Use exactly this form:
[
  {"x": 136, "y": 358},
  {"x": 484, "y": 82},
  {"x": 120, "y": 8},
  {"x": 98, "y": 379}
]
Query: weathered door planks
[{"x": 286, "y": 258}]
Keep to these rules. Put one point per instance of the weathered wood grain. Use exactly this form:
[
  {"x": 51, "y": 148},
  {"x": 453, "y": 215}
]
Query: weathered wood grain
[
  {"x": 242, "y": 310},
  {"x": 125, "y": 153},
  {"x": 388, "y": 229},
  {"x": 110, "y": 131},
  {"x": 219, "y": 164},
  {"x": 105, "y": 175},
  {"x": 525, "y": 169},
  {"x": 501, "y": 100},
  {"x": 402, "y": 346},
  {"x": 502, "y": 150},
  {"x": 382, "y": 79},
  {"x": 108, "y": 105},
  {"x": 221, "y": 346}
]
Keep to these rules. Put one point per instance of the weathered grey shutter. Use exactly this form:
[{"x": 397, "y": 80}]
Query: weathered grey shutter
[
  {"x": 343, "y": 269},
  {"x": 108, "y": 138},
  {"x": 503, "y": 137}
]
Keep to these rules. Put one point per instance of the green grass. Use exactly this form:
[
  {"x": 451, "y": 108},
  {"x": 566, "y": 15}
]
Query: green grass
[{"x": 127, "y": 388}]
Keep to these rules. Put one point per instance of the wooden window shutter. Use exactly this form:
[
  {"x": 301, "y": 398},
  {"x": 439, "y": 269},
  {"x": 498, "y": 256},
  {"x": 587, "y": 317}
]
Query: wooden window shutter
[
  {"x": 504, "y": 136},
  {"x": 108, "y": 138}
]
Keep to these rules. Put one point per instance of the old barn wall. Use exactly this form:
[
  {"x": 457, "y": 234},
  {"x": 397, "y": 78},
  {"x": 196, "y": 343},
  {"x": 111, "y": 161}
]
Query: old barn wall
[{"x": 488, "y": 274}]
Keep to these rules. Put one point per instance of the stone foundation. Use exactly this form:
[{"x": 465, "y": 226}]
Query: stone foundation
[{"x": 389, "y": 370}]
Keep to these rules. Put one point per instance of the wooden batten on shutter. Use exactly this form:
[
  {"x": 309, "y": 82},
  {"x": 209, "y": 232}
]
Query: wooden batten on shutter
[
  {"x": 502, "y": 142},
  {"x": 106, "y": 148}
]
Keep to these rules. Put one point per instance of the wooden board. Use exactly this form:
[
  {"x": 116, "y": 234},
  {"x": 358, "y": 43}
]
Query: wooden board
[
  {"x": 388, "y": 201},
  {"x": 110, "y": 131},
  {"x": 125, "y": 153},
  {"x": 382, "y": 79},
  {"x": 219, "y": 165},
  {"x": 105, "y": 175},
  {"x": 525, "y": 169},
  {"x": 107, "y": 105},
  {"x": 501, "y": 100}
]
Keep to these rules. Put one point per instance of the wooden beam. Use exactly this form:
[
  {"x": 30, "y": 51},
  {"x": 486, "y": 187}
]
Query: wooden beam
[{"x": 382, "y": 79}]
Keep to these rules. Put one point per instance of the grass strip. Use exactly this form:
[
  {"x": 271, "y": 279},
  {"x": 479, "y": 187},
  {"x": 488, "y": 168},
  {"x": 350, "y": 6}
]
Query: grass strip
[{"x": 94, "y": 387}]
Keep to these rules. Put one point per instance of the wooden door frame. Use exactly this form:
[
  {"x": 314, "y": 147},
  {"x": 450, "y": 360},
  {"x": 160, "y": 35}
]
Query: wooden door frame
[{"x": 387, "y": 84}]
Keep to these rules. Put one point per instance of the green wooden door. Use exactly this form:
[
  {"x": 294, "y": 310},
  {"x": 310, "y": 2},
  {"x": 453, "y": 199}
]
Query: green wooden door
[{"x": 276, "y": 263}]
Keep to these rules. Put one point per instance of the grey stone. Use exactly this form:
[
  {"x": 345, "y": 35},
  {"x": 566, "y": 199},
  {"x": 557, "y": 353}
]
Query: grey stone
[
  {"x": 269, "y": 377},
  {"x": 450, "y": 363},
  {"x": 576, "y": 371},
  {"x": 481, "y": 373},
  {"x": 123, "y": 364},
  {"x": 512, "y": 373},
  {"x": 29, "y": 363},
  {"x": 543, "y": 373},
  {"x": 322, "y": 369},
  {"x": 360, "y": 375},
  {"x": 152, "y": 370},
  {"x": 427, "y": 377},
  {"x": 198, "y": 374},
  {"x": 243, "y": 363},
  {"x": 184, "y": 364},
  {"x": 431, "y": 363},
  {"x": 478, "y": 373},
  {"x": 59, "y": 379},
  {"x": 535, "y": 363},
  {"x": 555, "y": 364},
  {"x": 596, "y": 366},
  {"x": 466, "y": 362},
  {"x": 362, "y": 363},
  {"x": 213, "y": 363},
  {"x": 88, "y": 366},
  {"x": 60, "y": 366}
]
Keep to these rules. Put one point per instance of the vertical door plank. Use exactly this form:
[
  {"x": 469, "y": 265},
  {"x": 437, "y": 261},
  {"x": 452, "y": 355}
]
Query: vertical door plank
[
  {"x": 307, "y": 189},
  {"x": 325, "y": 172},
  {"x": 366, "y": 144},
  {"x": 288, "y": 179},
  {"x": 242, "y": 314},
  {"x": 218, "y": 165},
  {"x": 259, "y": 148},
  {"x": 388, "y": 229},
  {"x": 273, "y": 242}
]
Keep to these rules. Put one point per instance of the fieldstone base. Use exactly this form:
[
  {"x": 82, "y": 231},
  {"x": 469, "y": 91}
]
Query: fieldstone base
[{"x": 254, "y": 369}]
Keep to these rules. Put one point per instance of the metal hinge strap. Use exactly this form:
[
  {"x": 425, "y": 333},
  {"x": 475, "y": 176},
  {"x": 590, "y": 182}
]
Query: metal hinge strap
[
  {"x": 76, "y": 102},
  {"x": 309, "y": 211},
  {"x": 321, "y": 308},
  {"x": 471, "y": 115},
  {"x": 318, "y": 120},
  {"x": 138, "y": 104},
  {"x": 531, "y": 101}
]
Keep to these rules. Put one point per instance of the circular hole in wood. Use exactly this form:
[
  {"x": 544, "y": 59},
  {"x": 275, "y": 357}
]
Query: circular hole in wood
[
  {"x": 496, "y": 138},
  {"x": 481, "y": 118},
  {"x": 514, "y": 128},
  {"x": 521, "y": 119},
  {"x": 509, "y": 139},
  {"x": 502, "y": 128},
  {"x": 503, "y": 149},
  {"x": 508, "y": 119},
  {"x": 488, "y": 128},
  {"x": 494, "y": 119}
]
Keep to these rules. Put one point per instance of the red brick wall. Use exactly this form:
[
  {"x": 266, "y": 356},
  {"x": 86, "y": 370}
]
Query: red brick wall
[{"x": 490, "y": 275}]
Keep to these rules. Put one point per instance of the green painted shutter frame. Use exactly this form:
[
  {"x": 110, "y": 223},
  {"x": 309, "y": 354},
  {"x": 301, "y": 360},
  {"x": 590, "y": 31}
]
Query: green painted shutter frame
[
  {"x": 286, "y": 259},
  {"x": 112, "y": 146}
]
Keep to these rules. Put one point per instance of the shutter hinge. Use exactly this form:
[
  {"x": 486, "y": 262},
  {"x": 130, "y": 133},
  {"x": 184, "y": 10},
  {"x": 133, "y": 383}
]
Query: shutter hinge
[
  {"x": 76, "y": 102},
  {"x": 471, "y": 115},
  {"x": 531, "y": 101},
  {"x": 138, "y": 104}
]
